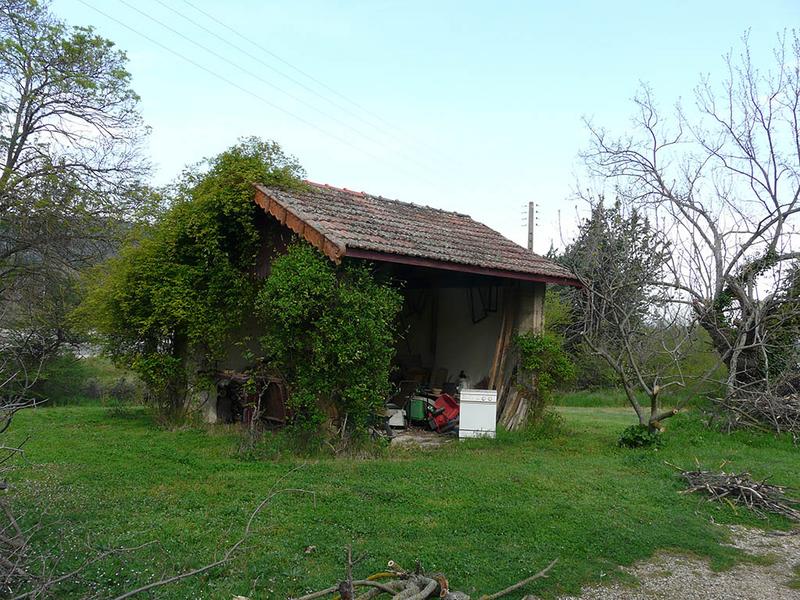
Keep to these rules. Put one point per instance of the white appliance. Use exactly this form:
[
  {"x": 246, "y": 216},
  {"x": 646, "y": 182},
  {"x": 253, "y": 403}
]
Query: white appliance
[
  {"x": 478, "y": 416},
  {"x": 397, "y": 417}
]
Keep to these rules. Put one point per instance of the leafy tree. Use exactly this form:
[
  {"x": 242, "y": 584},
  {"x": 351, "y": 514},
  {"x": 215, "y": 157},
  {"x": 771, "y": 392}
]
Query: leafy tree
[
  {"x": 331, "y": 333},
  {"x": 179, "y": 287},
  {"x": 69, "y": 137},
  {"x": 782, "y": 333},
  {"x": 619, "y": 258},
  {"x": 69, "y": 172},
  {"x": 543, "y": 362}
]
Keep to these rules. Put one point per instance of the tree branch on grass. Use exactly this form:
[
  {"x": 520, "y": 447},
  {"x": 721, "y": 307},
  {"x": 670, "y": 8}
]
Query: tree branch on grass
[
  {"x": 415, "y": 585},
  {"x": 230, "y": 552}
]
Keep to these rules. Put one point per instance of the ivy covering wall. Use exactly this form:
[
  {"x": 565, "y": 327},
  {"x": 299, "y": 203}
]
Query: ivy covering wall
[{"x": 168, "y": 304}]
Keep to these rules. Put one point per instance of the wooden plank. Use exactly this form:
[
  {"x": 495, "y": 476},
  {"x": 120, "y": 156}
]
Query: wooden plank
[
  {"x": 332, "y": 251},
  {"x": 502, "y": 339},
  {"x": 294, "y": 223},
  {"x": 506, "y": 367},
  {"x": 277, "y": 211},
  {"x": 262, "y": 200},
  {"x": 463, "y": 268},
  {"x": 314, "y": 238}
]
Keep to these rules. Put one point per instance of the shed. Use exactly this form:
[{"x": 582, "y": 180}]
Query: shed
[{"x": 468, "y": 290}]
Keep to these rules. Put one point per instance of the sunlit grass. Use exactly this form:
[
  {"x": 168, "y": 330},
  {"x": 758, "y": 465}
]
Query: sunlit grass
[{"x": 486, "y": 512}]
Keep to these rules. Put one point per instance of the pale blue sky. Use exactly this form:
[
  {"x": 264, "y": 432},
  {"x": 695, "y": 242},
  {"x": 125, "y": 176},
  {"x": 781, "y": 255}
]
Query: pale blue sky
[{"x": 480, "y": 104}]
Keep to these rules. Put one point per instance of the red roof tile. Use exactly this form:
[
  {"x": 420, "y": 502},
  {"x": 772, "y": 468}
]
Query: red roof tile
[{"x": 356, "y": 223}]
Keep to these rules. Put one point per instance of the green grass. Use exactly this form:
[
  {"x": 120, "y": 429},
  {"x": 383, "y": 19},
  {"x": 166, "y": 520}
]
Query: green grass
[
  {"x": 485, "y": 512},
  {"x": 591, "y": 398},
  {"x": 617, "y": 398},
  {"x": 64, "y": 380}
]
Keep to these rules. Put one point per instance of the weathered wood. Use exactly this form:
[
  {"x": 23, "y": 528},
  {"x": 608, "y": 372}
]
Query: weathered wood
[
  {"x": 503, "y": 340},
  {"x": 531, "y": 308},
  {"x": 295, "y": 223},
  {"x": 277, "y": 211},
  {"x": 513, "y": 403},
  {"x": 504, "y": 366},
  {"x": 333, "y": 251}
]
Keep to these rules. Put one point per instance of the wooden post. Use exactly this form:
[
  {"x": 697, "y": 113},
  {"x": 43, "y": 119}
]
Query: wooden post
[{"x": 527, "y": 314}]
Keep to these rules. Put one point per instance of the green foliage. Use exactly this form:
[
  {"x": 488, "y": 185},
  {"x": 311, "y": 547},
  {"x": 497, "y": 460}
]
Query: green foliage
[
  {"x": 557, "y": 311},
  {"x": 562, "y": 319},
  {"x": 640, "y": 436},
  {"x": 67, "y": 379},
  {"x": 70, "y": 176},
  {"x": 543, "y": 366},
  {"x": 180, "y": 286},
  {"x": 782, "y": 330},
  {"x": 61, "y": 380},
  {"x": 330, "y": 332},
  {"x": 296, "y": 442},
  {"x": 543, "y": 355}
]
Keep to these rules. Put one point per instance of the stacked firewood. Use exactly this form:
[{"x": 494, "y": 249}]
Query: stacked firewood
[
  {"x": 741, "y": 490},
  {"x": 401, "y": 584}
]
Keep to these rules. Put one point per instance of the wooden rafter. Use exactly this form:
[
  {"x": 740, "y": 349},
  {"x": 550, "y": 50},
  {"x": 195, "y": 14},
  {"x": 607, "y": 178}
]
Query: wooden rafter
[{"x": 299, "y": 223}]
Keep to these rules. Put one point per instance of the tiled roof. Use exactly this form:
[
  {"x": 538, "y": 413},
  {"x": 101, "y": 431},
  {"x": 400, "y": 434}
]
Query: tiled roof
[{"x": 343, "y": 222}]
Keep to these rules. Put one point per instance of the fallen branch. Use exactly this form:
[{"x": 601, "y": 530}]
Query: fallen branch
[
  {"x": 523, "y": 583},
  {"x": 412, "y": 585},
  {"x": 384, "y": 587},
  {"x": 230, "y": 552},
  {"x": 764, "y": 409}
]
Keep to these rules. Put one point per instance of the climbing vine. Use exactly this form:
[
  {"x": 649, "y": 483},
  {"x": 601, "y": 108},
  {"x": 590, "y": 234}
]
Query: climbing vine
[
  {"x": 330, "y": 332},
  {"x": 544, "y": 364},
  {"x": 179, "y": 286}
]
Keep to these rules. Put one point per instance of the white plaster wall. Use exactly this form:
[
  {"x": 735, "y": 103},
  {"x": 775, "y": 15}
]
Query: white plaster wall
[{"x": 462, "y": 344}]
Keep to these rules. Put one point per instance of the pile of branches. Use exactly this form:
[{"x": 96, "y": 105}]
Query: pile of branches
[
  {"x": 740, "y": 489},
  {"x": 764, "y": 409},
  {"x": 401, "y": 584}
]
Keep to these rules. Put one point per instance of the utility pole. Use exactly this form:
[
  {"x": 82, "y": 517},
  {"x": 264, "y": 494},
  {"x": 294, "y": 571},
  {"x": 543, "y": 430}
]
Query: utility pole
[{"x": 531, "y": 223}]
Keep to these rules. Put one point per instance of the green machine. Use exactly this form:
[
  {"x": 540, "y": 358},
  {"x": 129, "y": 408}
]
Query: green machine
[{"x": 416, "y": 408}]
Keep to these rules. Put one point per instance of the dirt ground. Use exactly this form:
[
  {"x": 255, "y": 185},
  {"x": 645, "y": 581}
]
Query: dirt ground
[{"x": 681, "y": 577}]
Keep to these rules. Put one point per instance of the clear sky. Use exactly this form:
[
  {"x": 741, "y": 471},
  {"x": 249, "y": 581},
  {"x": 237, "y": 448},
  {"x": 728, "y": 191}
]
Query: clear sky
[{"x": 468, "y": 106}]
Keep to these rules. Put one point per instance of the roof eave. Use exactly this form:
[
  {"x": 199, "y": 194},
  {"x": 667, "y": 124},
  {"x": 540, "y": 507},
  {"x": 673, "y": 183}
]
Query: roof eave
[
  {"x": 335, "y": 249},
  {"x": 418, "y": 261},
  {"x": 300, "y": 223}
]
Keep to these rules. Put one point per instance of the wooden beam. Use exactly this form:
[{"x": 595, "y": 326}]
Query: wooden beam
[{"x": 451, "y": 266}]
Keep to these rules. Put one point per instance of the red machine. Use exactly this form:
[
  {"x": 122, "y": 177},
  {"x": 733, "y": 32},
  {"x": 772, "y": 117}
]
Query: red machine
[{"x": 443, "y": 415}]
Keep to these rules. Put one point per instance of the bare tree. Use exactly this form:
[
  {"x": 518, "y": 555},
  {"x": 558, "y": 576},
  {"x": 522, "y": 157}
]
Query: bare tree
[
  {"x": 19, "y": 372},
  {"x": 722, "y": 181}
]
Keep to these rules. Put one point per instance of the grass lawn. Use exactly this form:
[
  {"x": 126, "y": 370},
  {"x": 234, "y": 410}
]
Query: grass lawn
[{"x": 487, "y": 513}]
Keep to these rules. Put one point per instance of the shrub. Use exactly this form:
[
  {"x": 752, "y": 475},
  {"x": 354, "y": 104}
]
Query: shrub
[
  {"x": 124, "y": 390},
  {"x": 180, "y": 286},
  {"x": 543, "y": 362},
  {"x": 330, "y": 332},
  {"x": 640, "y": 436}
]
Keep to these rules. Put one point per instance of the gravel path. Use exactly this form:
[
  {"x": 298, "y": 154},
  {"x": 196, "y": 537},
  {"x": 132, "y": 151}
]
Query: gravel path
[{"x": 681, "y": 577}]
